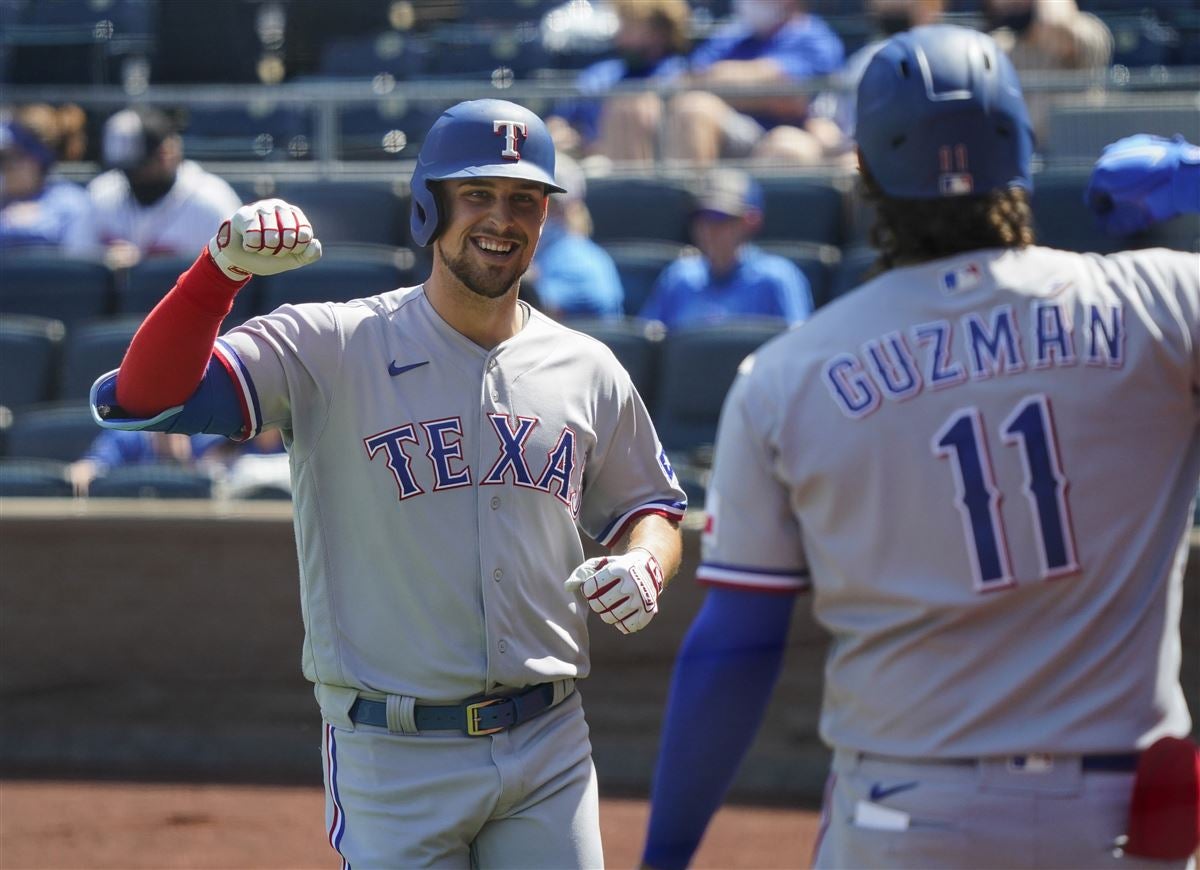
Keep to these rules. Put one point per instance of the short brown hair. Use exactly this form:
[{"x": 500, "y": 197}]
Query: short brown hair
[
  {"x": 909, "y": 231},
  {"x": 672, "y": 18}
]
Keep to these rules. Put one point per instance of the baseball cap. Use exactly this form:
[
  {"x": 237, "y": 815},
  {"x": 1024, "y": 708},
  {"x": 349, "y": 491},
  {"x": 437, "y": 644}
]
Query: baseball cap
[
  {"x": 730, "y": 193},
  {"x": 133, "y": 135}
]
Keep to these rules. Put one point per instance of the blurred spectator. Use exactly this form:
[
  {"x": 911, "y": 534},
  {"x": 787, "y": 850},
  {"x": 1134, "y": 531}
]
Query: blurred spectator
[
  {"x": 1048, "y": 35},
  {"x": 831, "y": 118},
  {"x": 246, "y": 468},
  {"x": 651, "y": 42},
  {"x": 115, "y": 448},
  {"x": 37, "y": 209},
  {"x": 729, "y": 277},
  {"x": 573, "y": 276},
  {"x": 768, "y": 42},
  {"x": 151, "y": 200}
]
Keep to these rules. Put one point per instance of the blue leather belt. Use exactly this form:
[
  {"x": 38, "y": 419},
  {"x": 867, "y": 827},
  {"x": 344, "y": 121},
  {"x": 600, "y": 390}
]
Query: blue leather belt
[{"x": 477, "y": 718}]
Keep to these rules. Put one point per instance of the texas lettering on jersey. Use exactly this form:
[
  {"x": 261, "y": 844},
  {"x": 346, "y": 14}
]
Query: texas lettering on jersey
[
  {"x": 450, "y": 470},
  {"x": 985, "y": 344}
]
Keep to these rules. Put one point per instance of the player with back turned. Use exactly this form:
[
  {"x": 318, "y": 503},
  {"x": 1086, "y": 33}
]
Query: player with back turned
[
  {"x": 982, "y": 464},
  {"x": 444, "y": 441}
]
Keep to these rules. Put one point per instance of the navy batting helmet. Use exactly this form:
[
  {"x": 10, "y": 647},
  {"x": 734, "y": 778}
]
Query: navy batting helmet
[
  {"x": 940, "y": 113},
  {"x": 478, "y": 138}
]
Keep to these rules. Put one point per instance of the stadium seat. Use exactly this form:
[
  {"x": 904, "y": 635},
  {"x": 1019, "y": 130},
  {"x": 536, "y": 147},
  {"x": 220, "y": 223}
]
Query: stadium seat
[
  {"x": 698, "y": 365},
  {"x": 388, "y": 129},
  {"x": 151, "y": 480},
  {"x": 350, "y": 212},
  {"x": 338, "y": 277},
  {"x": 802, "y": 209},
  {"x": 641, "y": 209},
  {"x": 1063, "y": 220},
  {"x": 29, "y": 353},
  {"x": 90, "y": 350},
  {"x": 57, "y": 430},
  {"x": 856, "y": 262},
  {"x": 34, "y": 478},
  {"x": 639, "y": 264},
  {"x": 817, "y": 262},
  {"x": 1077, "y": 132},
  {"x": 53, "y": 286},
  {"x": 257, "y": 130},
  {"x": 635, "y": 345},
  {"x": 399, "y": 55}
]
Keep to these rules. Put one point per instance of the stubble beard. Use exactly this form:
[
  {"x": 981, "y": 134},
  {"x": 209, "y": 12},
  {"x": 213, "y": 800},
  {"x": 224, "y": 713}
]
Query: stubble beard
[{"x": 482, "y": 280}]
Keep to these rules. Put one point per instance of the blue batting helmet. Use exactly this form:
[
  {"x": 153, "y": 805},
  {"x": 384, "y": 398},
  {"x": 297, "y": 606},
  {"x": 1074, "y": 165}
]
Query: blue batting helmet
[
  {"x": 940, "y": 113},
  {"x": 480, "y": 139}
]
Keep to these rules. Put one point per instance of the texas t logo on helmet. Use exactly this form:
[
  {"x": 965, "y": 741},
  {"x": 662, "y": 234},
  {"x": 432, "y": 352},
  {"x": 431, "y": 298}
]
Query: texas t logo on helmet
[{"x": 511, "y": 129}]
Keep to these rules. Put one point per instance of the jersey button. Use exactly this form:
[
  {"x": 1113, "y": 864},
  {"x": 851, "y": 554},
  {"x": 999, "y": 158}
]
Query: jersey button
[
  {"x": 497, "y": 575},
  {"x": 495, "y": 502},
  {"x": 491, "y": 364},
  {"x": 502, "y": 646}
]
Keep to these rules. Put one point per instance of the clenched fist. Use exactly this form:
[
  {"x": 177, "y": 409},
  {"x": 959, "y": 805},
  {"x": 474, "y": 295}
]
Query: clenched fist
[
  {"x": 622, "y": 589},
  {"x": 264, "y": 238}
]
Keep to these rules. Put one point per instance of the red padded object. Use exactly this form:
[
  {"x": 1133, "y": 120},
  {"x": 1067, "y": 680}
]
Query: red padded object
[{"x": 1164, "y": 814}]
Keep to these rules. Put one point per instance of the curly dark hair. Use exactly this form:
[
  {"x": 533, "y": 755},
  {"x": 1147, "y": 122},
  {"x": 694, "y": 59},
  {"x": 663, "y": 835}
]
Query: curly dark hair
[{"x": 908, "y": 231}]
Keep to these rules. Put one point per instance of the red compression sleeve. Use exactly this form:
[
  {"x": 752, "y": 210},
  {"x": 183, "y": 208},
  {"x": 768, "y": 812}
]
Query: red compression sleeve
[{"x": 171, "y": 349}]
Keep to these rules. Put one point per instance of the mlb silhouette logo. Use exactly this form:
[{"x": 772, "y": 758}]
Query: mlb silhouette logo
[{"x": 962, "y": 278}]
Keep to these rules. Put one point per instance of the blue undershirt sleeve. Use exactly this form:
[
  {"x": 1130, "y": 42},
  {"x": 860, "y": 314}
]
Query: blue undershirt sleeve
[{"x": 724, "y": 676}]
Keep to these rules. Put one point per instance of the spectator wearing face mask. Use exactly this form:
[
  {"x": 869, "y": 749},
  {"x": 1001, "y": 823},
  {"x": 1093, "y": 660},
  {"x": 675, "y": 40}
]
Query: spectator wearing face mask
[
  {"x": 768, "y": 42},
  {"x": 572, "y": 275},
  {"x": 730, "y": 277},
  {"x": 38, "y": 210},
  {"x": 651, "y": 44},
  {"x": 151, "y": 200}
]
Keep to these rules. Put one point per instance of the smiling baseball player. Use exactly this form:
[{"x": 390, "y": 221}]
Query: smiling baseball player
[
  {"x": 982, "y": 463},
  {"x": 444, "y": 442}
]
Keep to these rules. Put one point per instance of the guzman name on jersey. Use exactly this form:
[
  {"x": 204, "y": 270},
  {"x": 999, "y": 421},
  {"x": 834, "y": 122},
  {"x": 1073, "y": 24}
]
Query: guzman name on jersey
[{"x": 984, "y": 345}]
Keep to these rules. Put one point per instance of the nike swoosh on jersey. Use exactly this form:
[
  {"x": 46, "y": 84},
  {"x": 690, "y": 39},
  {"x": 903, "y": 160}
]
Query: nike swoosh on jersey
[
  {"x": 878, "y": 792},
  {"x": 394, "y": 369}
]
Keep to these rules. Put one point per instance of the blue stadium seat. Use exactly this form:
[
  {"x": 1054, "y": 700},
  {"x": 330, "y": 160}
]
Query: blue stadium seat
[
  {"x": 512, "y": 11},
  {"x": 90, "y": 350},
  {"x": 29, "y": 349},
  {"x": 635, "y": 345},
  {"x": 151, "y": 480},
  {"x": 54, "y": 286},
  {"x": 338, "y": 277},
  {"x": 641, "y": 209},
  {"x": 802, "y": 209},
  {"x": 350, "y": 212},
  {"x": 254, "y": 131},
  {"x": 144, "y": 285},
  {"x": 697, "y": 368},
  {"x": 389, "y": 129},
  {"x": 34, "y": 478},
  {"x": 399, "y": 55},
  {"x": 1063, "y": 221},
  {"x": 856, "y": 262},
  {"x": 56, "y": 430},
  {"x": 1078, "y": 132},
  {"x": 817, "y": 262},
  {"x": 639, "y": 264},
  {"x": 485, "y": 50}
]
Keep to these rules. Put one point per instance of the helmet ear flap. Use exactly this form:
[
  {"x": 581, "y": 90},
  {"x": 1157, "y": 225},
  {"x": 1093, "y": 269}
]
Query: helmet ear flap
[{"x": 426, "y": 218}]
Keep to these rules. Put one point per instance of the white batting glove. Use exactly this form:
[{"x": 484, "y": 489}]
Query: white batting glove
[
  {"x": 622, "y": 589},
  {"x": 264, "y": 238}
]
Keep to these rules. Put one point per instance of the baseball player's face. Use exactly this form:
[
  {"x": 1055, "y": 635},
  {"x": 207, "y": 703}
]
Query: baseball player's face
[{"x": 492, "y": 229}]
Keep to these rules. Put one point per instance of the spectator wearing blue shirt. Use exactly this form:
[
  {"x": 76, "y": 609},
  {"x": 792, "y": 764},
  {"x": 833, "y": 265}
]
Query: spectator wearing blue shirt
[
  {"x": 730, "y": 277},
  {"x": 651, "y": 41},
  {"x": 116, "y": 448},
  {"x": 768, "y": 42},
  {"x": 38, "y": 210},
  {"x": 571, "y": 274}
]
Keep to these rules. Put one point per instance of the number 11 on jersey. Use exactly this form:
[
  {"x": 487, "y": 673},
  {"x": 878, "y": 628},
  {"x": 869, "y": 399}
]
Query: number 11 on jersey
[{"x": 1030, "y": 428}]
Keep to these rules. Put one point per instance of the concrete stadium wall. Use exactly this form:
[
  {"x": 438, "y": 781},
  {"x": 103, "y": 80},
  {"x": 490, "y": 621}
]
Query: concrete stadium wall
[{"x": 162, "y": 640}]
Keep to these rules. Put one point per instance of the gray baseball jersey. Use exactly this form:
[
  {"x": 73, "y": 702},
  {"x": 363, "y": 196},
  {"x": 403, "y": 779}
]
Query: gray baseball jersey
[
  {"x": 984, "y": 466},
  {"x": 437, "y": 487}
]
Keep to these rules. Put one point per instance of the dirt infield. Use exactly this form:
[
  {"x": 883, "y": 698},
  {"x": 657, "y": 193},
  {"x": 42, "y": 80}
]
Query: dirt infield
[{"x": 93, "y": 825}]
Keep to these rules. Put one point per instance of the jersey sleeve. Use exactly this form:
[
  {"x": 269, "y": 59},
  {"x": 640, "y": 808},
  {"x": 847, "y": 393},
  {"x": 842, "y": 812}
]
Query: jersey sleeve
[
  {"x": 629, "y": 474},
  {"x": 751, "y": 539}
]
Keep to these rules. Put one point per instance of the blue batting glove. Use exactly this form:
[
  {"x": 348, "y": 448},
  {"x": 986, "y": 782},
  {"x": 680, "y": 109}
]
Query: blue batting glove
[{"x": 1141, "y": 180}]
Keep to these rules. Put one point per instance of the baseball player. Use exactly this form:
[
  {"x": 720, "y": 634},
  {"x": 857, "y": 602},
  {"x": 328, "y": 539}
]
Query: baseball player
[
  {"x": 444, "y": 441},
  {"x": 982, "y": 464}
]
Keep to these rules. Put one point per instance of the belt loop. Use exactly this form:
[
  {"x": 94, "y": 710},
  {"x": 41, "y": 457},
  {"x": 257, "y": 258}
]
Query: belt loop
[
  {"x": 401, "y": 716},
  {"x": 562, "y": 689}
]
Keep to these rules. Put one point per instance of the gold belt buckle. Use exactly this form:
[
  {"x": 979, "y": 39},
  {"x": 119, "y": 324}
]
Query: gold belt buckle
[{"x": 473, "y": 728}]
